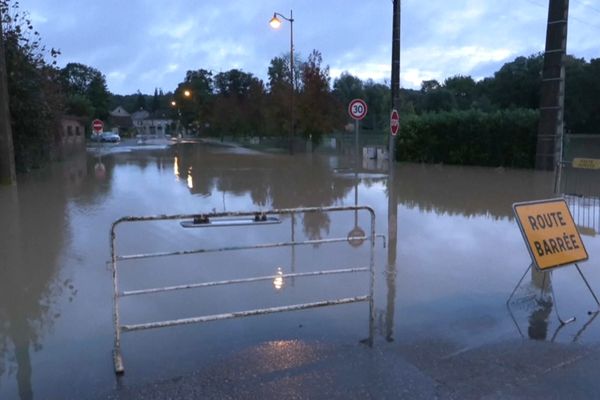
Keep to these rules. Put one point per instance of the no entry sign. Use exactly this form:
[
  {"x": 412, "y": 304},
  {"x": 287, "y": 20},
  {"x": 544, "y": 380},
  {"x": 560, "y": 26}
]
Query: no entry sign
[
  {"x": 394, "y": 122},
  {"x": 550, "y": 233},
  {"x": 357, "y": 109},
  {"x": 97, "y": 125}
]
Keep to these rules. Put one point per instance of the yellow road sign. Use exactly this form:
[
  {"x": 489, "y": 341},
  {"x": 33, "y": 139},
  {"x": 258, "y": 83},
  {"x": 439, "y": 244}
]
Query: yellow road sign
[
  {"x": 550, "y": 233},
  {"x": 586, "y": 163}
]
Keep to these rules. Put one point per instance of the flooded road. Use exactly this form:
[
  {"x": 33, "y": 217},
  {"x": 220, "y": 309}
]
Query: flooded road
[{"x": 454, "y": 254}]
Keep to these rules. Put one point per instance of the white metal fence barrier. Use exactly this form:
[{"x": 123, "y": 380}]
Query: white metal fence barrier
[{"x": 215, "y": 220}]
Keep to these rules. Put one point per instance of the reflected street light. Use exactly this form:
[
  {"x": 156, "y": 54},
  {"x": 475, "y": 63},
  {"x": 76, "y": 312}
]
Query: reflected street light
[{"x": 275, "y": 23}]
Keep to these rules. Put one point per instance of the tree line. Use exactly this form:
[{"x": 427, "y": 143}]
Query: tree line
[{"x": 440, "y": 115}]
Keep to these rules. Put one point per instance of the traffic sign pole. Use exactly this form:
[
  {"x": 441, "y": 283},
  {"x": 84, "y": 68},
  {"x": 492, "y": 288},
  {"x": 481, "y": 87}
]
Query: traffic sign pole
[{"x": 357, "y": 109}]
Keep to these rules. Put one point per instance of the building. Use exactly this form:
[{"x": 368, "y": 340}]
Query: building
[
  {"x": 70, "y": 137},
  {"x": 151, "y": 124},
  {"x": 120, "y": 121}
]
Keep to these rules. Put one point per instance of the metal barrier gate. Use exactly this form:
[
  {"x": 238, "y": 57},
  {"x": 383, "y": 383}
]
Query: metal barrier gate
[{"x": 234, "y": 219}]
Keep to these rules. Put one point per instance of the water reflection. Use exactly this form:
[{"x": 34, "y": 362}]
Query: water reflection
[
  {"x": 391, "y": 269},
  {"x": 293, "y": 183},
  {"x": 538, "y": 319},
  {"x": 32, "y": 237},
  {"x": 469, "y": 191},
  {"x": 278, "y": 280},
  {"x": 426, "y": 206}
]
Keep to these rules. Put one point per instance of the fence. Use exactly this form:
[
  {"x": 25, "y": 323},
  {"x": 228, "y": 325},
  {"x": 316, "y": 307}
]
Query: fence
[{"x": 229, "y": 219}]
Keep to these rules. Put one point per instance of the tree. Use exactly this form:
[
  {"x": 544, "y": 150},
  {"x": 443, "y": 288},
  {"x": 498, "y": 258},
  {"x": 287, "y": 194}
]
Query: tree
[
  {"x": 238, "y": 99},
  {"x": 155, "y": 101},
  {"x": 378, "y": 98},
  {"x": 33, "y": 88},
  {"x": 582, "y": 109},
  {"x": 140, "y": 101},
  {"x": 278, "y": 103},
  {"x": 463, "y": 89},
  {"x": 348, "y": 87},
  {"x": 517, "y": 83},
  {"x": 316, "y": 105},
  {"x": 194, "y": 97},
  {"x": 82, "y": 80}
]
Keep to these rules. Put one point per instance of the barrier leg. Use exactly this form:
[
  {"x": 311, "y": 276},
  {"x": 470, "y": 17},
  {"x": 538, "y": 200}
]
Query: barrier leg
[
  {"x": 562, "y": 322},
  {"x": 518, "y": 284},
  {"x": 590, "y": 289}
]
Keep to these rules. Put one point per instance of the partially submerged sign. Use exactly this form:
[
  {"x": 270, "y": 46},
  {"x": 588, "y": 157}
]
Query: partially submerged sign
[{"x": 550, "y": 233}]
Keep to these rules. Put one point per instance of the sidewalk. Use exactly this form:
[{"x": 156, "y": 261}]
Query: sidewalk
[{"x": 298, "y": 370}]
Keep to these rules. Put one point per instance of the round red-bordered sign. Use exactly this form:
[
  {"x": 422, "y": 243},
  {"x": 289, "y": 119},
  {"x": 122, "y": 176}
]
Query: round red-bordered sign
[
  {"x": 97, "y": 125},
  {"x": 394, "y": 122},
  {"x": 357, "y": 109}
]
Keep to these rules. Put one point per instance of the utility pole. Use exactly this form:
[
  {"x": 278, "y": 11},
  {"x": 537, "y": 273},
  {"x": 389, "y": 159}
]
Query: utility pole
[
  {"x": 7, "y": 152},
  {"x": 391, "y": 267},
  {"x": 395, "y": 72},
  {"x": 550, "y": 129}
]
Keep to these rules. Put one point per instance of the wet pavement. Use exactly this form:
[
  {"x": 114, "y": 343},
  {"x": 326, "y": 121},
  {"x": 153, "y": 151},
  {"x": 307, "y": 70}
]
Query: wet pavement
[{"x": 442, "y": 328}]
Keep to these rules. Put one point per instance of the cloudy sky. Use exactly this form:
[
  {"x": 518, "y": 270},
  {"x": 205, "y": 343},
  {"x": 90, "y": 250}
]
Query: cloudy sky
[{"x": 147, "y": 44}]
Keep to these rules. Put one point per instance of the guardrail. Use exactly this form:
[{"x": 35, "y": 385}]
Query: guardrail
[{"x": 216, "y": 220}]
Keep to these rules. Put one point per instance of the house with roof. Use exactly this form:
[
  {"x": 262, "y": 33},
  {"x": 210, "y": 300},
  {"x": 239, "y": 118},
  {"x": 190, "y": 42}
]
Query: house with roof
[
  {"x": 151, "y": 124},
  {"x": 120, "y": 120}
]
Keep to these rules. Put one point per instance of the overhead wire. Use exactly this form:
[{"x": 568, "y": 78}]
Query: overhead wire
[{"x": 572, "y": 17}]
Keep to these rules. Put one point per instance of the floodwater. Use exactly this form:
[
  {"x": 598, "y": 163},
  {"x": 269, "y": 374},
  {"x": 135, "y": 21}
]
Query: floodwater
[{"x": 453, "y": 255}]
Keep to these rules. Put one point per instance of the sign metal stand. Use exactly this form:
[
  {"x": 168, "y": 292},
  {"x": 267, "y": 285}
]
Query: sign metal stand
[{"x": 552, "y": 240}]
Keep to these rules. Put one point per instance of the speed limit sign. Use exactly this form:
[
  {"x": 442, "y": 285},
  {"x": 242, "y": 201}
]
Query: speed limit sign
[{"x": 357, "y": 109}]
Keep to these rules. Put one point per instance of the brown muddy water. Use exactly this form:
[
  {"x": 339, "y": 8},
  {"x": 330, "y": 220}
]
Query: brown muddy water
[{"x": 444, "y": 280}]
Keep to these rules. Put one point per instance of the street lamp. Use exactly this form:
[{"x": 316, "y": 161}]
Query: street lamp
[
  {"x": 275, "y": 23},
  {"x": 185, "y": 94},
  {"x": 174, "y": 104}
]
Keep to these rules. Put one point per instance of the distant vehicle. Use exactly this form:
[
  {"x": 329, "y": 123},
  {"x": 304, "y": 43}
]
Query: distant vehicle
[{"x": 110, "y": 137}]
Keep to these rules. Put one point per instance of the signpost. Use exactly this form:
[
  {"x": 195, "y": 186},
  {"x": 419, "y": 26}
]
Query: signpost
[
  {"x": 357, "y": 110},
  {"x": 97, "y": 126},
  {"x": 552, "y": 240},
  {"x": 394, "y": 122}
]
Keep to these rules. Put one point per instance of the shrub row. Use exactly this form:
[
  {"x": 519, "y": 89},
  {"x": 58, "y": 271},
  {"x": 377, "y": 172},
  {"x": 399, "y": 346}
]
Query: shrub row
[{"x": 502, "y": 138}]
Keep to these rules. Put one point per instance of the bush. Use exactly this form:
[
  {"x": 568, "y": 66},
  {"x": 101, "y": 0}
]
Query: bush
[{"x": 473, "y": 137}]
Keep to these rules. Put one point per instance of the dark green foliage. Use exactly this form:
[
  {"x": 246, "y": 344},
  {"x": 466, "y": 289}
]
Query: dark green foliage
[
  {"x": 316, "y": 105},
  {"x": 80, "y": 82},
  {"x": 502, "y": 138},
  {"x": 34, "y": 95},
  {"x": 237, "y": 105},
  {"x": 140, "y": 101}
]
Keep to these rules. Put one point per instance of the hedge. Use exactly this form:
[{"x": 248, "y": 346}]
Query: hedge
[{"x": 502, "y": 138}]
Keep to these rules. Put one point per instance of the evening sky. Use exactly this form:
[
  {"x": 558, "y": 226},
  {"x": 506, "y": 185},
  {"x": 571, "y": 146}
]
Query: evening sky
[{"x": 147, "y": 44}]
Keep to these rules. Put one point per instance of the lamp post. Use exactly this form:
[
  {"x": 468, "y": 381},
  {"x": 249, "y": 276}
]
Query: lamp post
[
  {"x": 174, "y": 104},
  {"x": 186, "y": 94},
  {"x": 275, "y": 23}
]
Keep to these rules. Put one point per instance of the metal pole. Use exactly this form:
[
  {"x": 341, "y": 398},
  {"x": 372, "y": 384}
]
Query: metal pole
[
  {"x": 356, "y": 142},
  {"x": 7, "y": 153},
  {"x": 292, "y": 81}
]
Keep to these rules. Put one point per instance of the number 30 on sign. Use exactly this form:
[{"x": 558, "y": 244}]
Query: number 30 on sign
[{"x": 357, "y": 109}]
